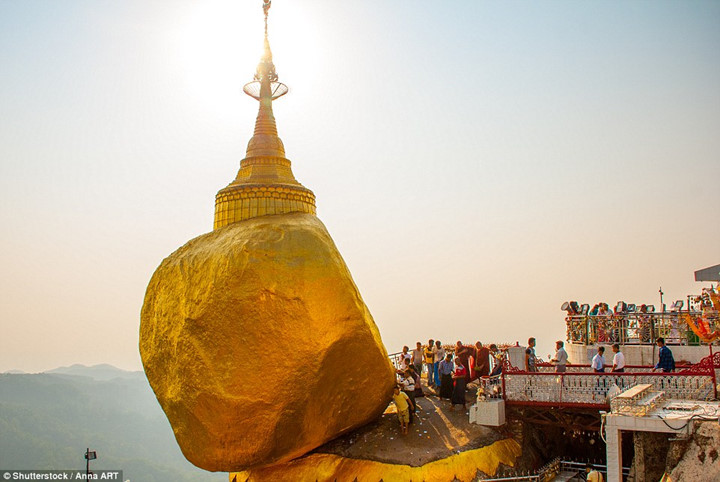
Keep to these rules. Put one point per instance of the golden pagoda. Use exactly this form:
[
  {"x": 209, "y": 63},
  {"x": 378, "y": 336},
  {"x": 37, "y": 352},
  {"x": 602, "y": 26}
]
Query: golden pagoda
[{"x": 265, "y": 183}]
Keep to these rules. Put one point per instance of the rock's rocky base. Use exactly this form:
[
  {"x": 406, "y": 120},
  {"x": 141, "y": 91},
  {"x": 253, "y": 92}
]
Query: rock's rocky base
[{"x": 326, "y": 467}]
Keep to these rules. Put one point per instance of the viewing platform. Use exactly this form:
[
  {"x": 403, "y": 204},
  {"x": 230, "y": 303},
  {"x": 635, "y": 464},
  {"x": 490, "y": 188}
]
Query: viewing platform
[
  {"x": 635, "y": 329},
  {"x": 637, "y": 400},
  {"x": 580, "y": 387}
]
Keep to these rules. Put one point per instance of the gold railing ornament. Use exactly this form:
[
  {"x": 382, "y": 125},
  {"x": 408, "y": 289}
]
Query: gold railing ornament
[{"x": 265, "y": 184}]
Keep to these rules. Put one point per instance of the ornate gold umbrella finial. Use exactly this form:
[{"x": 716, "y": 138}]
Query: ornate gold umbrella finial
[
  {"x": 265, "y": 183},
  {"x": 265, "y": 82}
]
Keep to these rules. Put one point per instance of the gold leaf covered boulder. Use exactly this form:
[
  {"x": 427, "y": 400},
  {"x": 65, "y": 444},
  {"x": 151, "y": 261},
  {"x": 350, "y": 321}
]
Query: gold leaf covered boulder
[
  {"x": 258, "y": 345},
  {"x": 254, "y": 337}
]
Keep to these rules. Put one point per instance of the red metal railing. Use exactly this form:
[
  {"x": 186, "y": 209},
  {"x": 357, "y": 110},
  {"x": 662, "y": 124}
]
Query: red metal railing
[{"x": 589, "y": 389}]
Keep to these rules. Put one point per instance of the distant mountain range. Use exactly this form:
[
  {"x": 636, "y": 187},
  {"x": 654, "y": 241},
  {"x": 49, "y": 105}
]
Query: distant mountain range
[
  {"x": 47, "y": 420},
  {"x": 102, "y": 372}
]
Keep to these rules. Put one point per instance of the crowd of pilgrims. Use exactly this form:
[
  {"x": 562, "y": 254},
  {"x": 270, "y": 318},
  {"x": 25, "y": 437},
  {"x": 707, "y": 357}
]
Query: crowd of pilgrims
[{"x": 449, "y": 369}]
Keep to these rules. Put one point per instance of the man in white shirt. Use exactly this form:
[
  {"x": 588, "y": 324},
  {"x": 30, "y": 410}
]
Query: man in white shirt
[
  {"x": 598, "y": 361},
  {"x": 561, "y": 357},
  {"x": 618, "y": 359},
  {"x": 439, "y": 353}
]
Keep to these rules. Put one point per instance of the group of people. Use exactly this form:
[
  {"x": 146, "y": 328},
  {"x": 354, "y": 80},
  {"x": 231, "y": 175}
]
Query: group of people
[
  {"x": 621, "y": 324},
  {"x": 666, "y": 362},
  {"x": 449, "y": 370}
]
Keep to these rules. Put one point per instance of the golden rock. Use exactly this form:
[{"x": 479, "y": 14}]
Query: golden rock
[
  {"x": 254, "y": 337},
  {"x": 327, "y": 467},
  {"x": 258, "y": 345}
]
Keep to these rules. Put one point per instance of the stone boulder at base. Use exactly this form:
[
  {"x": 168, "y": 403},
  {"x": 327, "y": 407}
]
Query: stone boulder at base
[{"x": 258, "y": 345}]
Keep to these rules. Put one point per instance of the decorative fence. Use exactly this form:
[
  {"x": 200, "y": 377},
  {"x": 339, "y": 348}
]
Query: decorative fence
[
  {"x": 588, "y": 389},
  {"x": 550, "y": 368},
  {"x": 633, "y": 328}
]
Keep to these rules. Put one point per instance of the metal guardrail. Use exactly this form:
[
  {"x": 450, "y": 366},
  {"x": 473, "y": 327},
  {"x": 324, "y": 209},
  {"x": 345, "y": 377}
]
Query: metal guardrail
[
  {"x": 577, "y": 368},
  {"x": 554, "y": 468}
]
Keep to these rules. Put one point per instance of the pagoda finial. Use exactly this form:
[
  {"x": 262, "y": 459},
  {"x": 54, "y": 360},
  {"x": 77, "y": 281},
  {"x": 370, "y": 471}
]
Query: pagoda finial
[
  {"x": 266, "y": 8},
  {"x": 265, "y": 183},
  {"x": 265, "y": 83},
  {"x": 265, "y": 88}
]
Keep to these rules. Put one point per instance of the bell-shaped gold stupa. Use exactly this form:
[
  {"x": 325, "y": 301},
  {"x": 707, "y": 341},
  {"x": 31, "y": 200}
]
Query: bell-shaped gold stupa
[{"x": 265, "y": 183}]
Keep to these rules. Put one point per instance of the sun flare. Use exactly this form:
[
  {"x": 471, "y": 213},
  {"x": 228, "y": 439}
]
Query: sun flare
[{"x": 218, "y": 44}]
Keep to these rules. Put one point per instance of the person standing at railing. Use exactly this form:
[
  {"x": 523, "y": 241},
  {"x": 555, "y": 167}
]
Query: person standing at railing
[
  {"x": 446, "y": 382},
  {"x": 462, "y": 355},
  {"x": 497, "y": 358},
  {"x": 598, "y": 366},
  {"x": 429, "y": 356},
  {"x": 561, "y": 357},
  {"x": 530, "y": 358},
  {"x": 482, "y": 360},
  {"x": 618, "y": 359},
  {"x": 439, "y": 356},
  {"x": 598, "y": 361},
  {"x": 458, "y": 394},
  {"x": 417, "y": 358},
  {"x": 666, "y": 362}
]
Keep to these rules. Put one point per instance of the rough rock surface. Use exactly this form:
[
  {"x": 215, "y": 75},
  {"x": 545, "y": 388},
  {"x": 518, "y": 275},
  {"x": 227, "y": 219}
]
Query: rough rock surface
[
  {"x": 462, "y": 467},
  {"x": 258, "y": 345},
  {"x": 699, "y": 456}
]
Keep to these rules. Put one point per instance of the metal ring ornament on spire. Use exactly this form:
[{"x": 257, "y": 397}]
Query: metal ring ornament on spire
[{"x": 277, "y": 89}]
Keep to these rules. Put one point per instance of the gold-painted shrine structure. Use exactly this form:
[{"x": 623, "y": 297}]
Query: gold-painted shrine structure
[{"x": 265, "y": 183}]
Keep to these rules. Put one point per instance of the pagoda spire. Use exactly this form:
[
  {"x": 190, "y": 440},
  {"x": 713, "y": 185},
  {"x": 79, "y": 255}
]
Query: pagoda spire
[
  {"x": 267, "y": 78},
  {"x": 265, "y": 184}
]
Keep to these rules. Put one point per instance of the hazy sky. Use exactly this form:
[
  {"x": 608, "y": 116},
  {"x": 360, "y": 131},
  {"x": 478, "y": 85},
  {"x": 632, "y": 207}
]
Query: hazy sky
[{"x": 477, "y": 163}]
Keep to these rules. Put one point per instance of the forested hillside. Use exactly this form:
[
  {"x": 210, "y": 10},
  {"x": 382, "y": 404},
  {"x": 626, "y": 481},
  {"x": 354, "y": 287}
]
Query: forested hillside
[{"x": 48, "y": 420}]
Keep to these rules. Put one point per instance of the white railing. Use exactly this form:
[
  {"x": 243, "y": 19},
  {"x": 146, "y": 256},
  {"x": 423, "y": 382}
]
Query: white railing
[
  {"x": 577, "y": 388},
  {"x": 592, "y": 388}
]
